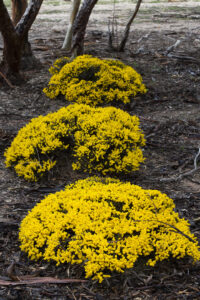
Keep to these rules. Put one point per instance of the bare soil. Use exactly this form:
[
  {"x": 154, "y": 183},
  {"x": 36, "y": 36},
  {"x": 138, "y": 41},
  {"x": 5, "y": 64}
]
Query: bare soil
[{"x": 170, "y": 119}]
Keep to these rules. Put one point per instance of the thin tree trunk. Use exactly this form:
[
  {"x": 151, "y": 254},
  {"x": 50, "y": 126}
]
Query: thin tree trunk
[
  {"x": 68, "y": 38},
  {"x": 80, "y": 25},
  {"x": 127, "y": 29}
]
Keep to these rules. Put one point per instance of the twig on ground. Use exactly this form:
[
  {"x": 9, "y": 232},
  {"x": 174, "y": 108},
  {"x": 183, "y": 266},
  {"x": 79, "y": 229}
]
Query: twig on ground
[
  {"x": 7, "y": 81},
  {"x": 29, "y": 280},
  {"x": 185, "y": 173},
  {"x": 144, "y": 37},
  {"x": 184, "y": 57},
  {"x": 172, "y": 47}
]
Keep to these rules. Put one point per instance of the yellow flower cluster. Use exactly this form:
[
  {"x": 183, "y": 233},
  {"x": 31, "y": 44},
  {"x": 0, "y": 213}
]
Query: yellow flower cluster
[
  {"x": 58, "y": 64},
  {"x": 104, "y": 140},
  {"x": 106, "y": 225},
  {"x": 94, "y": 81}
]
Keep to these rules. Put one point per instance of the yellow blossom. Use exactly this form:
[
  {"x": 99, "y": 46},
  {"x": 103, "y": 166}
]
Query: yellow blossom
[
  {"x": 106, "y": 225},
  {"x": 104, "y": 140},
  {"x": 94, "y": 81}
]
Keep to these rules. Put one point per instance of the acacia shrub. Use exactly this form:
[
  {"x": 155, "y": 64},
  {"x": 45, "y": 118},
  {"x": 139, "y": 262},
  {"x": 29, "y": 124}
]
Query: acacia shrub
[
  {"x": 106, "y": 225},
  {"x": 94, "y": 81},
  {"x": 102, "y": 140}
]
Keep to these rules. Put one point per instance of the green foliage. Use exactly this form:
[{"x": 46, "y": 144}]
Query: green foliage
[
  {"x": 104, "y": 140},
  {"x": 106, "y": 226},
  {"x": 94, "y": 81}
]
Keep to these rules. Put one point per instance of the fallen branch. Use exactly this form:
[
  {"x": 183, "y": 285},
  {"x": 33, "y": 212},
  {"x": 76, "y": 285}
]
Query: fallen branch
[
  {"x": 144, "y": 37},
  {"x": 185, "y": 173},
  {"x": 184, "y": 57},
  {"x": 172, "y": 47},
  {"x": 27, "y": 280}
]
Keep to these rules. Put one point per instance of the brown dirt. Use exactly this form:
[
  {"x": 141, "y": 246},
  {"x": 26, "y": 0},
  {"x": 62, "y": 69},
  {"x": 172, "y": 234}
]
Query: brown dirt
[{"x": 170, "y": 119}]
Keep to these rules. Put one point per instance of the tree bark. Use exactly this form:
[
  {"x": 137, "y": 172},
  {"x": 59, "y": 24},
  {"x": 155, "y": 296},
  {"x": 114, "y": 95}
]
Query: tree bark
[
  {"x": 18, "y": 9},
  {"x": 12, "y": 43},
  {"x": 80, "y": 25},
  {"x": 68, "y": 38},
  {"x": 28, "y": 18},
  {"x": 13, "y": 37}
]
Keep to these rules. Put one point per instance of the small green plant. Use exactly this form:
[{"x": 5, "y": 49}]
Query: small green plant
[
  {"x": 106, "y": 225},
  {"x": 103, "y": 140},
  {"x": 94, "y": 81}
]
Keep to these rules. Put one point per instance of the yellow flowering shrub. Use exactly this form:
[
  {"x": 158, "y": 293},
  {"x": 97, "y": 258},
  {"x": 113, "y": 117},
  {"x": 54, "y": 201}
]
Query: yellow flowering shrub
[
  {"x": 93, "y": 81},
  {"x": 106, "y": 225},
  {"x": 104, "y": 140}
]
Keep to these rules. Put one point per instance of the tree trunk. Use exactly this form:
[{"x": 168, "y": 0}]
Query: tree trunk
[
  {"x": 12, "y": 51},
  {"x": 80, "y": 25},
  {"x": 13, "y": 37},
  {"x": 128, "y": 26},
  {"x": 125, "y": 36},
  {"x": 68, "y": 38},
  {"x": 18, "y": 9},
  {"x": 12, "y": 44}
]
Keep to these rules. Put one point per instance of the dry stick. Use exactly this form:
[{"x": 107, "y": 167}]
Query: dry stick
[
  {"x": 7, "y": 81},
  {"x": 186, "y": 173}
]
